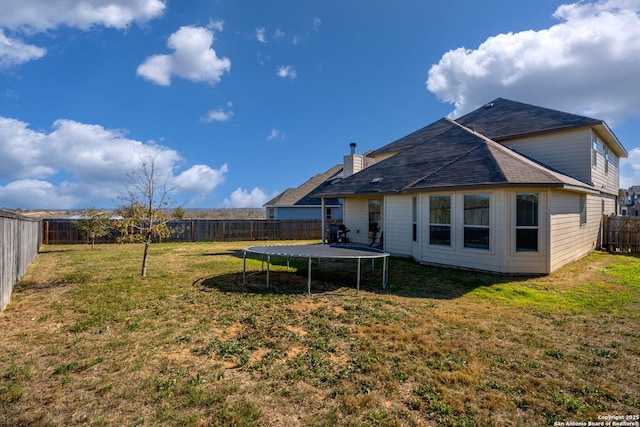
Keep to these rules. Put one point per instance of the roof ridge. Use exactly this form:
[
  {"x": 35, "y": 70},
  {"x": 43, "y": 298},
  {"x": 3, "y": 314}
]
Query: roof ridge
[
  {"x": 523, "y": 159},
  {"x": 444, "y": 165}
]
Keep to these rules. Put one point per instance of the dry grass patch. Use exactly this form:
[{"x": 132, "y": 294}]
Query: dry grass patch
[{"x": 88, "y": 342}]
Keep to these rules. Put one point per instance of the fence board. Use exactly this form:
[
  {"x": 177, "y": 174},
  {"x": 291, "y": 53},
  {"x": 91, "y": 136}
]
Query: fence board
[
  {"x": 19, "y": 244},
  {"x": 621, "y": 234},
  {"x": 63, "y": 231}
]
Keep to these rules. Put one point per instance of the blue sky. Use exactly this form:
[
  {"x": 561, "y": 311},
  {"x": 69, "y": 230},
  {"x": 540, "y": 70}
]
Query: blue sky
[{"x": 241, "y": 99}]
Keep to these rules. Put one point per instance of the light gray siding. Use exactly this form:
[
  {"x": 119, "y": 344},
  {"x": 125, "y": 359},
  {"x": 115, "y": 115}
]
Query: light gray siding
[
  {"x": 605, "y": 167},
  {"x": 568, "y": 152},
  {"x": 356, "y": 219},
  {"x": 397, "y": 225},
  {"x": 571, "y": 240}
]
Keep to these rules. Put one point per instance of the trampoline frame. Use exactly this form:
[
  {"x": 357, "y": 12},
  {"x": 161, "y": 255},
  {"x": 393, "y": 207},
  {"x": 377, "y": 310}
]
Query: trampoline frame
[{"x": 318, "y": 252}]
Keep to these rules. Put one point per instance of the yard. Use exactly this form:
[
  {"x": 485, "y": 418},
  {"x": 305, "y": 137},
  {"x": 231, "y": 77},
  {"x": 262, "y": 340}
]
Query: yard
[{"x": 86, "y": 341}]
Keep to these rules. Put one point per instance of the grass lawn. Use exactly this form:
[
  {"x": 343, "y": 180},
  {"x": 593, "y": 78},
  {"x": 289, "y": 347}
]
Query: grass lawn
[{"x": 86, "y": 341}]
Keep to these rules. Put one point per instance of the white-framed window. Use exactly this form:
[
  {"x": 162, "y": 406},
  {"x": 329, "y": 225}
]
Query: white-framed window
[
  {"x": 606, "y": 161},
  {"x": 327, "y": 213},
  {"x": 440, "y": 220},
  {"x": 271, "y": 213},
  {"x": 583, "y": 209},
  {"x": 476, "y": 221},
  {"x": 527, "y": 222}
]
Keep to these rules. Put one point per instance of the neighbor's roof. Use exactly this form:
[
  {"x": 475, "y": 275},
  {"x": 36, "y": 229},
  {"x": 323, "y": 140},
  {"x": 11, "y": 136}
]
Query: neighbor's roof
[
  {"x": 303, "y": 195},
  {"x": 457, "y": 158}
]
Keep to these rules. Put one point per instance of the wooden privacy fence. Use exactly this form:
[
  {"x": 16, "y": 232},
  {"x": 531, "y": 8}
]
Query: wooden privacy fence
[
  {"x": 621, "y": 233},
  {"x": 19, "y": 244},
  {"x": 61, "y": 231}
]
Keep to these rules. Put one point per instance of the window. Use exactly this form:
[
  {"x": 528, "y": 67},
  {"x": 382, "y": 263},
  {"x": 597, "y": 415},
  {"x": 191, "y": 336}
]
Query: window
[
  {"x": 583, "y": 210},
  {"x": 594, "y": 152},
  {"x": 440, "y": 220},
  {"x": 272, "y": 213},
  {"x": 414, "y": 218},
  {"x": 476, "y": 221},
  {"x": 606, "y": 161},
  {"x": 327, "y": 214},
  {"x": 527, "y": 222}
]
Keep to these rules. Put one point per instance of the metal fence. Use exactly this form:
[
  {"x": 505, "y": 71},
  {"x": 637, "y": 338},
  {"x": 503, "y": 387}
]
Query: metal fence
[
  {"x": 19, "y": 244},
  {"x": 62, "y": 231},
  {"x": 621, "y": 234}
]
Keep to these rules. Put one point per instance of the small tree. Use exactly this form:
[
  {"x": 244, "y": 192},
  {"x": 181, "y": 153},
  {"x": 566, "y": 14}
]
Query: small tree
[
  {"x": 94, "y": 223},
  {"x": 148, "y": 207}
]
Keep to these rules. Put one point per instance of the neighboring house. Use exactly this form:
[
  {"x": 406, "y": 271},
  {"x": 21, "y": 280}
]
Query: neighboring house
[
  {"x": 299, "y": 203},
  {"x": 630, "y": 201},
  {"x": 509, "y": 188}
]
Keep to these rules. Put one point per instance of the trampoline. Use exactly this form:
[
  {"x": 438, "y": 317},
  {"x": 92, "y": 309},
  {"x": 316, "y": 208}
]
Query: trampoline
[{"x": 318, "y": 252}]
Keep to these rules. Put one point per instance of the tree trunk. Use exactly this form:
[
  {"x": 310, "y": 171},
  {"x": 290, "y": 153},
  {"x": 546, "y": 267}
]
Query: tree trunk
[{"x": 144, "y": 258}]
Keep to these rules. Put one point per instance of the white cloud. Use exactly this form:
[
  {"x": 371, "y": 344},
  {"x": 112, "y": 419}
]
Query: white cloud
[
  {"x": 32, "y": 16},
  {"x": 241, "y": 198},
  {"x": 275, "y": 133},
  {"x": 287, "y": 71},
  {"x": 201, "y": 179},
  {"x": 35, "y": 194},
  {"x": 630, "y": 169},
  {"x": 78, "y": 163},
  {"x": 15, "y": 52},
  {"x": 261, "y": 35},
  {"x": 219, "y": 115},
  {"x": 588, "y": 63},
  {"x": 278, "y": 34},
  {"x": 192, "y": 59},
  {"x": 42, "y": 15},
  {"x": 316, "y": 23},
  {"x": 216, "y": 25}
]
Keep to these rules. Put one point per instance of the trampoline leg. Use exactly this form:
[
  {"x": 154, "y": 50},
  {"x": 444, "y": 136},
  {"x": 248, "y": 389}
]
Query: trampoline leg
[
  {"x": 385, "y": 278},
  {"x": 358, "y": 283},
  {"x": 244, "y": 268},
  {"x": 268, "y": 265},
  {"x": 309, "y": 278}
]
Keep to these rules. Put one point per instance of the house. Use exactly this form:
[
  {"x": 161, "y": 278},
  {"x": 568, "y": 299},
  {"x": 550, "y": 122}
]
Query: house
[
  {"x": 299, "y": 203},
  {"x": 630, "y": 201},
  {"x": 508, "y": 188}
]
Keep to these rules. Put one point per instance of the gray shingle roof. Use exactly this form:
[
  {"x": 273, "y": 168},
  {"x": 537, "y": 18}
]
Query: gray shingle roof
[
  {"x": 304, "y": 194},
  {"x": 503, "y": 119},
  {"x": 455, "y": 158}
]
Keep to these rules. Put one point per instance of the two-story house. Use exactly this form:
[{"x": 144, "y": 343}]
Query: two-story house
[
  {"x": 630, "y": 201},
  {"x": 509, "y": 187}
]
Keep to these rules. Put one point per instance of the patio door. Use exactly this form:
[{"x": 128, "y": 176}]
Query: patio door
[{"x": 375, "y": 222}]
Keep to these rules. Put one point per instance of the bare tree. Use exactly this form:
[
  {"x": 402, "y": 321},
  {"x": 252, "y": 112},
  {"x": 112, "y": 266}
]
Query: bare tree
[{"x": 148, "y": 207}]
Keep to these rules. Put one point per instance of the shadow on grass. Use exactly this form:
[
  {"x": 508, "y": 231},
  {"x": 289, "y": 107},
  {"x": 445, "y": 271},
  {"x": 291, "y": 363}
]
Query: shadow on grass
[
  {"x": 407, "y": 278},
  {"x": 292, "y": 278}
]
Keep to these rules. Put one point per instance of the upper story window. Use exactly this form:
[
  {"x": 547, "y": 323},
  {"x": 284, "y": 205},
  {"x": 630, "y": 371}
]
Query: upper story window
[
  {"x": 476, "y": 221},
  {"x": 440, "y": 220}
]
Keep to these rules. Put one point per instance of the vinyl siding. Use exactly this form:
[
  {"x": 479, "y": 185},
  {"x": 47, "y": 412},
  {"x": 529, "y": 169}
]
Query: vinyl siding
[
  {"x": 397, "y": 225},
  {"x": 570, "y": 240},
  {"x": 568, "y": 152},
  {"x": 605, "y": 177},
  {"x": 356, "y": 219},
  {"x": 457, "y": 255},
  {"x": 528, "y": 262}
]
